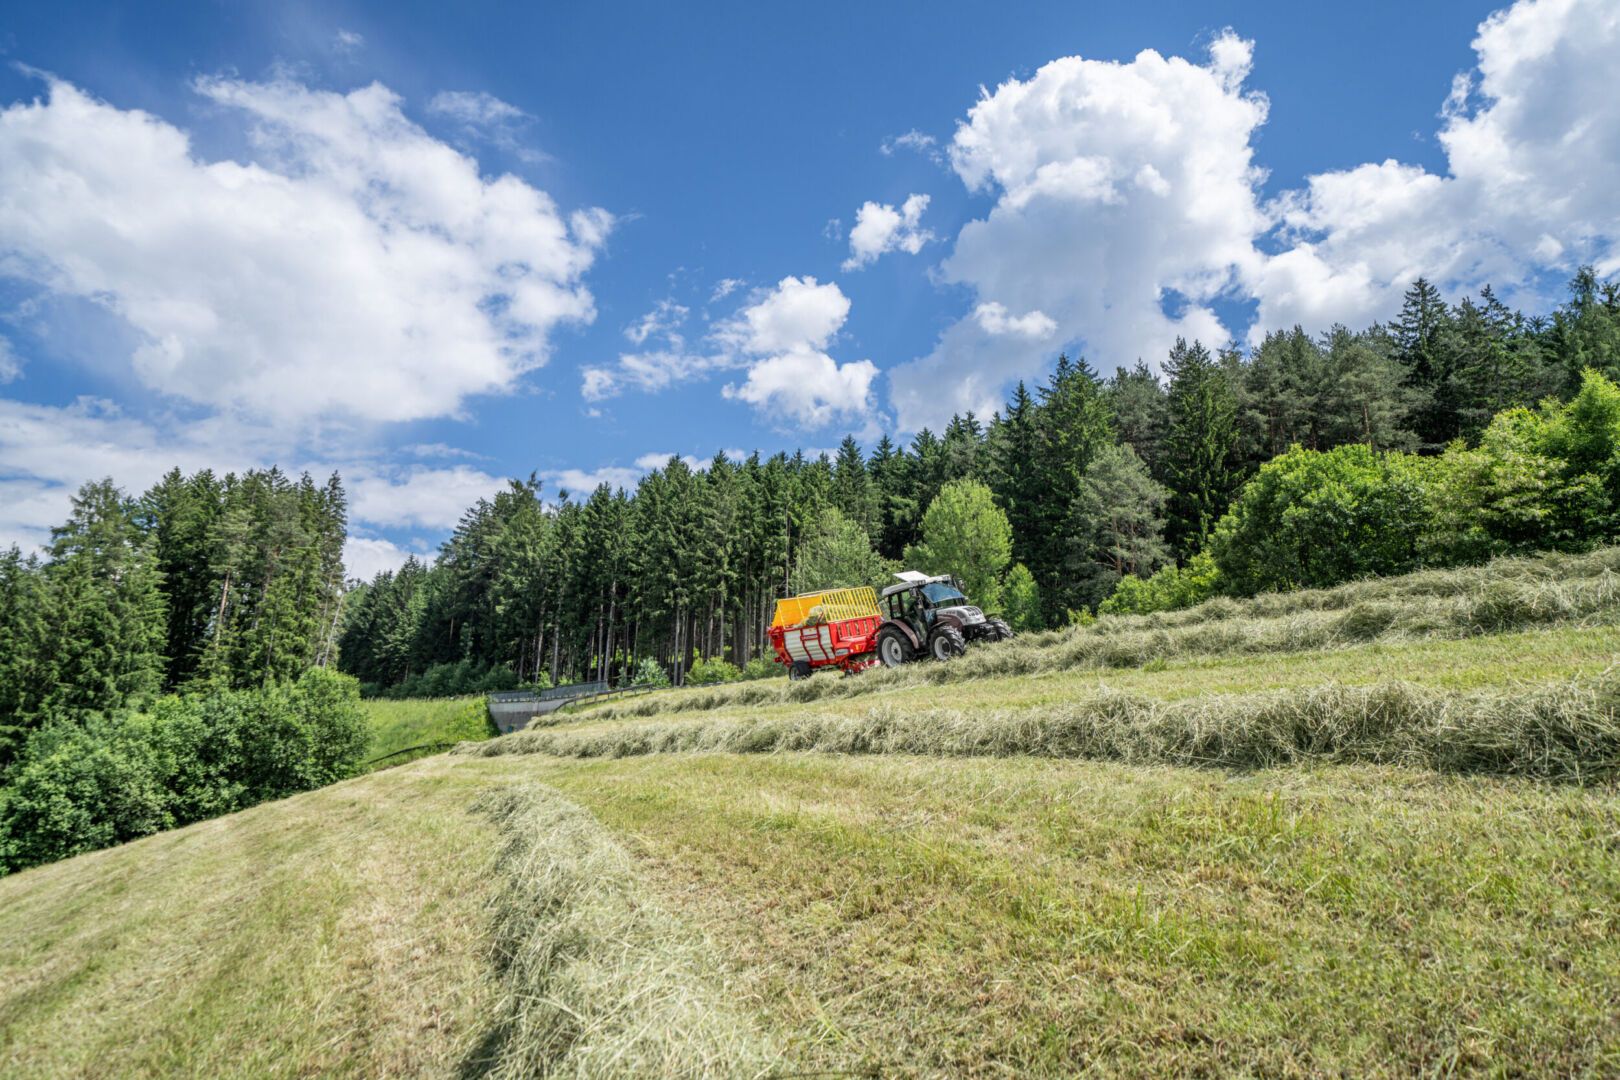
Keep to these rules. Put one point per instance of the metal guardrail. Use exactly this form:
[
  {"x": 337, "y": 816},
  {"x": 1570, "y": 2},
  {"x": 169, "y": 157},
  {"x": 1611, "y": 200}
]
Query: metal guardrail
[
  {"x": 549, "y": 694},
  {"x": 623, "y": 691}
]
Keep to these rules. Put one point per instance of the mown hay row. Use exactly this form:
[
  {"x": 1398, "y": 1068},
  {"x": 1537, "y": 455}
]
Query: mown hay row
[
  {"x": 1588, "y": 595},
  {"x": 596, "y": 978},
  {"x": 1566, "y": 731}
]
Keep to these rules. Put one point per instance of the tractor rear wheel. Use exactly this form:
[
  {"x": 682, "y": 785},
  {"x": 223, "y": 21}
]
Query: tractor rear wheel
[
  {"x": 946, "y": 643},
  {"x": 892, "y": 647}
]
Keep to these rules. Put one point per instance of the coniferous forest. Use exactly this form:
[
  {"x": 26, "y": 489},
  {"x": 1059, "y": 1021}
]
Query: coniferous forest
[{"x": 1091, "y": 481}]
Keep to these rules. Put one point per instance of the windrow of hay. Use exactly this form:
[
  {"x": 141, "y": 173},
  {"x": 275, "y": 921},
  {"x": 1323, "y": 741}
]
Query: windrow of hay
[
  {"x": 596, "y": 978},
  {"x": 1507, "y": 595},
  {"x": 1565, "y": 731}
]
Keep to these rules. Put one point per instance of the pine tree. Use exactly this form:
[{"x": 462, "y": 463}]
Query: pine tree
[
  {"x": 1425, "y": 347},
  {"x": 1072, "y": 424},
  {"x": 1366, "y": 399},
  {"x": 1015, "y": 478},
  {"x": 1141, "y": 417},
  {"x": 107, "y": 617},
  {"x": 1200, "y": 461},
  {"x": 1117, "y": 520},
  {"x": 26, "y": 668},
  {"x": 852, "y": 489}
]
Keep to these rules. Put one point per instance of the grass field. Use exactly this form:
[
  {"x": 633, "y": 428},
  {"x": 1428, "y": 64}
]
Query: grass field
[
  {"x": 1393, "y": 850},
  {"x": 399, "y": 725}
]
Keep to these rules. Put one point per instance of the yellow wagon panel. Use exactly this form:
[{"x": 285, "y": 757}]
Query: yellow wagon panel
[{"x": 836, "y": 605}]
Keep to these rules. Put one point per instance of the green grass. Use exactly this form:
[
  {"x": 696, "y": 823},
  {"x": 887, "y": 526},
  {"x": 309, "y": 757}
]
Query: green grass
[
  {"x": 1019, "y": 916},
  {"x": 340, "y": 932},
  {"x": 1295, "y": 836},
  {"x": 923, "y": 916},
  {"x": 399, "y": 725}
]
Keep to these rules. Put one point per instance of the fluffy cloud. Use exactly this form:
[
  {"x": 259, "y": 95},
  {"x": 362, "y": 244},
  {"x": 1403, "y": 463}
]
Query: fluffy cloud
[
  {"x": 46, "y": 452},
  {"x": 415, "y": 496},
  {"x": 487, "y": 118},
  {"x": 780, "y": 336},
  {"x": 994, "y": 319},
  {"x": 1532, "y": 142},
  {"x": 880, "y": 228},
  {"x": 474, "y": 108},
  {"x": 650, "y": 370},
  {"x": 355, "y": 266},
  {"x": 1126, "y": 205},
  {"x": 664, "y": 320},
  {"x": 1119, "y": 187},
  {"x": 365, "y": 557},
  {"x": 915, "y": 141},
  {"x": 790, "y": 375}
]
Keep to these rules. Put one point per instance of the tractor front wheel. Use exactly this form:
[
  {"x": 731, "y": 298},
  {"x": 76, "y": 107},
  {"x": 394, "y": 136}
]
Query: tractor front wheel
[
  {"x": 893, "y": 648},
  {"x": 947, "y": 643},
  {"x": 1000, "y": 631}
]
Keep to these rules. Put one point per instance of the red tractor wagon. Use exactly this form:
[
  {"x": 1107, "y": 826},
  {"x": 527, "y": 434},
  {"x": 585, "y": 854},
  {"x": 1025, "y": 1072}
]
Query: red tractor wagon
[
  {"x": 844, "y": 628},
  {"x": 834, "y": 628}
]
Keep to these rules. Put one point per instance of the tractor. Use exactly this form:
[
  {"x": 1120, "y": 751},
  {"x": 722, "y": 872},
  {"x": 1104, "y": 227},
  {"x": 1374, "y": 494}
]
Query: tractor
[
  {"x": 850, "y": 630},
  {"x": 930, "y": 616}
]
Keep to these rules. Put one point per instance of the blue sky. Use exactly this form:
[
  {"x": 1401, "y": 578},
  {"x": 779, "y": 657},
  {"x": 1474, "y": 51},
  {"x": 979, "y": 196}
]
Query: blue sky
[{"x": 433, "y": 246}]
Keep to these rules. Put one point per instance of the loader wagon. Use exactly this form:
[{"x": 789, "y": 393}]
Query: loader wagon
[{"x": 833, "y": 628}]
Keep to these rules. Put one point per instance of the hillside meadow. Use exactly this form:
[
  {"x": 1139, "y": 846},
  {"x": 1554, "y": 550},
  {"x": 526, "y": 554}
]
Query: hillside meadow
[{"x": 1391, "y": 849}]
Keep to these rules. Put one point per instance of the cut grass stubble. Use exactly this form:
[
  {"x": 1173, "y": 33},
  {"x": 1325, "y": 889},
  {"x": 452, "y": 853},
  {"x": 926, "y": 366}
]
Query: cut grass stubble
[
  {"x": 1567, "y": 730},
  {"x": 596, "y": 978}
]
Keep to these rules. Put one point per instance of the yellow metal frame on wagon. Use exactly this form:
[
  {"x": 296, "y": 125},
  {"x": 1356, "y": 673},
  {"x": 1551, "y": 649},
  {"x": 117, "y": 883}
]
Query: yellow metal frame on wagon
[{"x": 836, "y": 605}]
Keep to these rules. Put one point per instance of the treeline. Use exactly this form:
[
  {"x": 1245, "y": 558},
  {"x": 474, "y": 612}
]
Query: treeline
[
  {"x": 222, "y": 595},
  {"x": 1097, "y": 480},
  {"x": 200, "y": 582}
]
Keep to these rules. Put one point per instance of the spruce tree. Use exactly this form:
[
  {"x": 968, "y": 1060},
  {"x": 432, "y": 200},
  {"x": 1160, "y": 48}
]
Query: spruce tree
[
  {"x": 852, "y": 489},
  {"x": 26, "y": 650},
  {"x": 1015, "y": 478},
  {"x": 106, "y": 611},
  {"x": 1141, "y": 414},
  {"x": 1200, "y": 465}
]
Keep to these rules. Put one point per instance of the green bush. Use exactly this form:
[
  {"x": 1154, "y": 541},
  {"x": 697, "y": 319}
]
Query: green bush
[
  {"x": 1021, "y": 599},
  {"x": 1311, "y": 519},
  {"x": 1170, "y": 589},
  {"x": 711, "y": 671},
  {"x": 651, "y": 673},
  {"x": 456, "y": 679},
  {"x": 763, "y": 666},
  {"x": 1537, "y": 481},
  {"x": 83, "y": 785}
]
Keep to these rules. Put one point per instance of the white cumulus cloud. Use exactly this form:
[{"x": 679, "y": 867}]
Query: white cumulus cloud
[
  {"x": 881, "y": 228},
  {"x": 994, "y": 319},
  {"x": 353, "y": 266},
  {"x": 1532, "y": 144},
  {"x": 790, "y": 374},
  {"x": 365, "y": 557},
  {"x": 1118, "y": 186}
]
